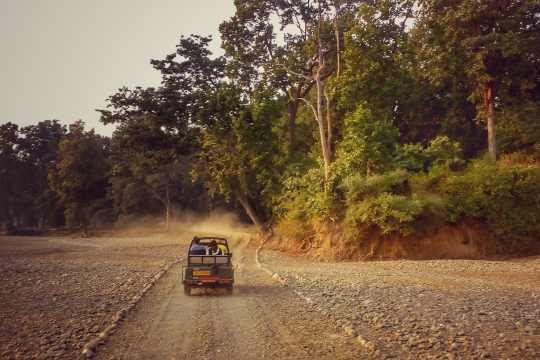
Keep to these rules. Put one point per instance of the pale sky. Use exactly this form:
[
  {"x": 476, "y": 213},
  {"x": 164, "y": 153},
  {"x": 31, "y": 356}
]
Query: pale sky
[{"x": 61, "y": 59}]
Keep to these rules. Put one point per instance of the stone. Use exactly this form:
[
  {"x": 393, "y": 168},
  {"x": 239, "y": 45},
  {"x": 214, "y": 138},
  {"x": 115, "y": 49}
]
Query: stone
[{"x": 349, "y": 331}]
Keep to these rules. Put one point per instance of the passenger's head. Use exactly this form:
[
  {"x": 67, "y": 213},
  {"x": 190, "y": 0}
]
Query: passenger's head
[
  {"x": 213, "y": 244},
  {"x": 196, "y": 240}
]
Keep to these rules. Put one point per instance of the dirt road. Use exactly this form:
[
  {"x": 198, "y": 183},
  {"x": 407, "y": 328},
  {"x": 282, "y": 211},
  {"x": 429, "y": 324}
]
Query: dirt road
[
  {"x": 58, "y": 294},
  {"x": 260, "y": 320}
]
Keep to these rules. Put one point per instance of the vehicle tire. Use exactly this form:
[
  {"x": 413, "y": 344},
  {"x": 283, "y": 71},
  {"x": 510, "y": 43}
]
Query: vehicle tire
[
  {"x": 229, "y": 290},
  {"x": 187, "y": 290}
]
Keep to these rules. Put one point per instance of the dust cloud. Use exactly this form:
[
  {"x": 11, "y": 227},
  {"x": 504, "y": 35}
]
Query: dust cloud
[{"x": 218, "y": 222}]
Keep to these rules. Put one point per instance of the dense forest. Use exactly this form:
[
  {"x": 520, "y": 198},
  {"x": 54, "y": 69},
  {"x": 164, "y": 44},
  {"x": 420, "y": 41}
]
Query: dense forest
[{"x": 373, "y": 118}]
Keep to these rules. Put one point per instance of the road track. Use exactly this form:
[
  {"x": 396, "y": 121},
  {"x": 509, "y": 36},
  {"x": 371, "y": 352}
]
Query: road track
[{"x": 262, "y": 319}]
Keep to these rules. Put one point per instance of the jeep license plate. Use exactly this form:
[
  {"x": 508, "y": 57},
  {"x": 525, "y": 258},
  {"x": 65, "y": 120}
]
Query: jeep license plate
[{"x": 201, "y": 273}]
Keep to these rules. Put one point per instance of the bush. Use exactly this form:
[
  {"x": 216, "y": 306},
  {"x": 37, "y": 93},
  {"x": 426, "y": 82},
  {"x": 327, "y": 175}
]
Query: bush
[
  {"x": 368, "y": 144},
  {"x": 441, "y": 152},
  {"x": 389, "y": 212},
  {"x": 428, "y": 182},
  {"x": 293, "y": 228},
  {"x": 359, "y": 187},
  {"x": 506, "y": 197},
  {"x": 412, "y": 157},
  {"x": 304, "y": 199}
]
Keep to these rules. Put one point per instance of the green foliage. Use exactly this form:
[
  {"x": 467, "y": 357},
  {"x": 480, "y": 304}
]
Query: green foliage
[
  {"x": 368, "y": 144},
  {"x": 382, "y": 201},
  {"x": 303, "y": 197},
  {"x": 516, "y": 130},
  {"x": 80, "y": 177},
  {"x": 412, "y": 157},
  {"x": 505, "y": 197},
  {"x": 26, "y": 155},
  {"x": 389, "y": 212},
  {"x": 441, "y": 152},
  {"x": 359, "y": 187}
]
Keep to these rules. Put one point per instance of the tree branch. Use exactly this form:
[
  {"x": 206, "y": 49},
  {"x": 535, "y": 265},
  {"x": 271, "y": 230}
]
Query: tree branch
[
  {"x": 294, "y": 72},
  {"x": 312, "y": 109}
]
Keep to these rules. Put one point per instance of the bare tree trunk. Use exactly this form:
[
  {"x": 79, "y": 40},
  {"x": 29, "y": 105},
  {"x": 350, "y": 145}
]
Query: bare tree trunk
[
  {"x": 293, "y": 111},
  {"x": 337, "y": 35},
  {"x": 250, "y": 211},
  {"x": 41, "y": 220},
  {"x": 320, "y": 122},
  {"x": 167, "y": 209},
  {"x": 328, "y": 125},
  {"x": 490, "y": 114}
]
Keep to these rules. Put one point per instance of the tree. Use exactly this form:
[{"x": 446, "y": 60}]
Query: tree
[
  {"x": 151, "y": 160},
  {"x": 496, "y": 43},
  {"x": 80, "y": 177},
  {"x": 284, "y": 60},
  {"x": 369, "y": 144},
  {"x": 40, "y": 146},
  {"x": 237, "y": 157},
  {"x": 12, "y": 175}
]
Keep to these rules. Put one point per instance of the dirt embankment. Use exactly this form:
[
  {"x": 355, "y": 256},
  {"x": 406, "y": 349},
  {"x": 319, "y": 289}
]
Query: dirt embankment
[{"x": 328, "y": 242}]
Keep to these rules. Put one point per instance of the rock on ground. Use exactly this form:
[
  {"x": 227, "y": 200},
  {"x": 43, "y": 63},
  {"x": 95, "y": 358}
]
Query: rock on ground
[{"x": 443, "y": 309}]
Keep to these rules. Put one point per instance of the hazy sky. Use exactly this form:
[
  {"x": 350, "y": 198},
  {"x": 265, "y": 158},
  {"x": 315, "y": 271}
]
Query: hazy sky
[{"x": 60, "y": 59}]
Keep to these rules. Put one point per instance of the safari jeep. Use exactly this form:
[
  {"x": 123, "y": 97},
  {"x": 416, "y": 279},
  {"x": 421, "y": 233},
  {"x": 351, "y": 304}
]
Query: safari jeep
[{"x": 208, "y": 271}]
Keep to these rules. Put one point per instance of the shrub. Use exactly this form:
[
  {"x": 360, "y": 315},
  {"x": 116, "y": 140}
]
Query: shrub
[
  {"x": 293, "y": 228},
  {"x": 412, "y": 157},
  {"x": 359, "y": 187},
  {"x": 441, "y": 152},
  {"x": 427, "y": 183},
  {"x": 304, "y": 199},
  {"x": 389, "y": 212},
  {"x": 368, "y": 144},
  {"x": 505, "y": 197}
]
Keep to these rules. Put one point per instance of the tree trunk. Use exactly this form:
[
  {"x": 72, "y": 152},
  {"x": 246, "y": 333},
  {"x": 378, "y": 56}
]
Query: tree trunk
[
  {"x": 293, "y": 111},
  {"x": 336, "y": 34},
  {"x": 322, "y": 130},
  {"x": 41, "y": 220},
  {"x": 329, "y": 131},
  {"x": 250, "y": 211},
  {"x": 167, "y": 209},
  {"x": 490, "y": 115}
]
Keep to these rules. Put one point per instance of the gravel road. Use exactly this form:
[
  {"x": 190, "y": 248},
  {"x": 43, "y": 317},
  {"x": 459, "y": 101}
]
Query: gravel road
[
  {"x": 59, "y": 293},
  {"x": 261, "y": 319},
  {"x": 443, "y": 309}
]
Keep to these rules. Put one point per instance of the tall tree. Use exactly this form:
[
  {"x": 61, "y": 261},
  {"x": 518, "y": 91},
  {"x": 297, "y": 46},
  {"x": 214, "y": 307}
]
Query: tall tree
[
  {"x": 80, "y": 177},
  {"x": 238, "y": 150},
  {"x": 494, "y": 40},
  {"x": 12, "y": 175},
  {"x": 40, "y": 146}
]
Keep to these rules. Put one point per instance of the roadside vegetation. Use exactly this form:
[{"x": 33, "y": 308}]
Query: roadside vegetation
[{"x": 363, "y": 119}]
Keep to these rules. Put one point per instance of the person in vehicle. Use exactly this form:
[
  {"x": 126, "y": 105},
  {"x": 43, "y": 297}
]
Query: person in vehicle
[
  {"x": 223, "y": 249},
  {"x": 214, "y": 248},
  {"x": 197, "y": 248}
]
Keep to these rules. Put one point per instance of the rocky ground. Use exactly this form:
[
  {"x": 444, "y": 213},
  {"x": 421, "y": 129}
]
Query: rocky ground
[
  {"x": 59, "y": 293},
  {"x": 444, "y": 309}
]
